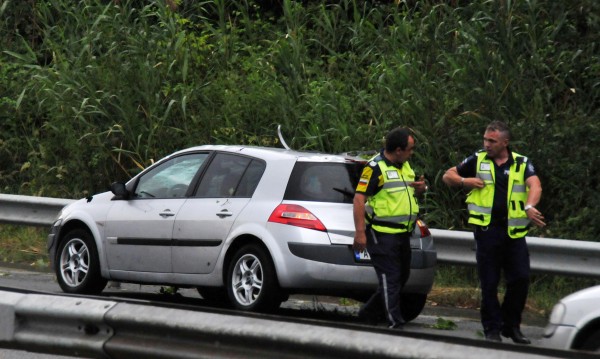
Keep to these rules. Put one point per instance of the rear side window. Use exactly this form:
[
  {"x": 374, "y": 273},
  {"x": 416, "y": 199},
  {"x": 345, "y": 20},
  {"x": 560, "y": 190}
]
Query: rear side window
[
  {"x": 250, "y": 179},
  {"x": 323, "y": 182},
  {"x": 230, "y": 176}
]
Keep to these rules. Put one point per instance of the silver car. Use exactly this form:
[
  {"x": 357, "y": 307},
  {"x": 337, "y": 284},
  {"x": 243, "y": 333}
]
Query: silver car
[
  {"x": 246, "y": 224},
  {"x": 575, "y": 322}
]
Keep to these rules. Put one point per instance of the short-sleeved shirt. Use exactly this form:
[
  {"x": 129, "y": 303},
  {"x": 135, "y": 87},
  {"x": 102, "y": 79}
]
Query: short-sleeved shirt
[
  {"x": 468, "y": 168},
  {"x": 371, "y": 179}
]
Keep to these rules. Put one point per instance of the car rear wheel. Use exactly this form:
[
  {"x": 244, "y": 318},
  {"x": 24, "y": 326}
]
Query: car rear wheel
[
  {"x": 78, "y": 268},
  {"x": 412, "y": 305},
  {"x": 251, "y": 280}
]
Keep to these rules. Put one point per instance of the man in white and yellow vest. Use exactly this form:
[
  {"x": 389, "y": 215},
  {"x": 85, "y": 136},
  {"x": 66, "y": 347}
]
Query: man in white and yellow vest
[
  {"x": 385, "y": 211},
  {"x": 504, "y": 190}
]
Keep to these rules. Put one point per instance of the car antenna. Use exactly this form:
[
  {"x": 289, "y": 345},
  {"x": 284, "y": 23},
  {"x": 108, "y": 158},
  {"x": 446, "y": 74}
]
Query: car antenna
[{"x": 281, "y": 138}]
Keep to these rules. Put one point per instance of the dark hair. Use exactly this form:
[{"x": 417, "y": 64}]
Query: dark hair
[
  {"x": 398, "y": 137},
  {"x": 500, "y": 127}
]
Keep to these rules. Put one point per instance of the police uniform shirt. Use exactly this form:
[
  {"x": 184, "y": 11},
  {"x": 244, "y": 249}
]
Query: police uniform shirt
[
  {"x": 468, "y": 168},
  {"x": 371, "y": 179}
]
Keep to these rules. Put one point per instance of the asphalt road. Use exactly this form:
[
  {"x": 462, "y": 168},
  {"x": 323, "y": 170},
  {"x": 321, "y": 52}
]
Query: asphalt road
[{"x": 433, "y": 319}]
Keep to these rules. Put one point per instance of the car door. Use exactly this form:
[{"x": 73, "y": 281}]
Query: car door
[
  {"x": 139, "y": 230},
  {"x": 204, "y": 221}
]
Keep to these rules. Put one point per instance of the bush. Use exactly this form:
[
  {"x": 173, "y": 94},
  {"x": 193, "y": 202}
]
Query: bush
[{"x": 97, "y": 90}]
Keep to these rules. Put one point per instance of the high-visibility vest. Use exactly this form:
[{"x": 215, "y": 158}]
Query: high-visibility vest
[
  {"x": 480, "y": 200},
  {"x": 394, "y": 208}
]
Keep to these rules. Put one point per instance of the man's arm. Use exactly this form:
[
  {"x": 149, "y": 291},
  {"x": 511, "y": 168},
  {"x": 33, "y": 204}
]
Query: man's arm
[
  {"x": 360, "y": 237},
  {"x": 453, "y": 179},
  {"x": 533, "y": 198}
]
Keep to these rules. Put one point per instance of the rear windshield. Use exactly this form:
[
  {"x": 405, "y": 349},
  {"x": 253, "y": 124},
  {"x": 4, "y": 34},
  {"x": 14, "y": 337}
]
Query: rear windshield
[{"x": 323, "y": 182}]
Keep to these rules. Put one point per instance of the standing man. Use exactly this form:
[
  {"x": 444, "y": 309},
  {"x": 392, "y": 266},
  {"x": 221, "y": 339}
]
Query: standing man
[
  {"x": 504, "y": 190},
  {"x": 385, "y": 211}
]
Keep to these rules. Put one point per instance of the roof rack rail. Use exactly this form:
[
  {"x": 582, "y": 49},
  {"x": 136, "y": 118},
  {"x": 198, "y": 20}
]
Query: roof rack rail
[{"x": 285, "y": 145}]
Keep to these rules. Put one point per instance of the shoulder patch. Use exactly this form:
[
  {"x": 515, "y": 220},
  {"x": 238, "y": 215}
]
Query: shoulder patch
[{"x": 364, "y": 180}]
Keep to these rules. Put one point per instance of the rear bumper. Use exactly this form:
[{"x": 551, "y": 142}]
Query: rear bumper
[
  {"x": 332, "y": 268},
  {"x": 344, "y": 255}
]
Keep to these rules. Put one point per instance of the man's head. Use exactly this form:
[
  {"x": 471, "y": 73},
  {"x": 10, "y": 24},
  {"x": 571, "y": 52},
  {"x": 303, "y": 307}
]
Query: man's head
[
  {"x": 399, "y": 145},
  {"x": 496, "y": 139}
]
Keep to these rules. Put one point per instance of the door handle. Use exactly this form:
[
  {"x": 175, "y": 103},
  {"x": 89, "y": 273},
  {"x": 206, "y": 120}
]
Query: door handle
[
  {"x": 224, "y": 213},
  {"x": 166, "y": 213}
]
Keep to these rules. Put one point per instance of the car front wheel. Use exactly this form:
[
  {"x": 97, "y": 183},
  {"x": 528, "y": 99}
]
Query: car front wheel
[
  {"x": 251, "y": 280},
  {"x": 592, "y": 343},
  {"x": 78, "y": 268}
]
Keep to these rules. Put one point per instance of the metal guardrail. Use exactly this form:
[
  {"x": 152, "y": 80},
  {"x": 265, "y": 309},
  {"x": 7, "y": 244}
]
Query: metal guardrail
[
  {"x": 98, "y": 328},
  {"x": 30, "y": 210},
  {"x": 548, "y": 255}
]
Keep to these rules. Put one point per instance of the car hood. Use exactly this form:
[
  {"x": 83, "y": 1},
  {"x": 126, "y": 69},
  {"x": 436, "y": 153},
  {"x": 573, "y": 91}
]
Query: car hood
[
  {"x": 581, "y": 305},
  {"x": 104, "y": 197}
]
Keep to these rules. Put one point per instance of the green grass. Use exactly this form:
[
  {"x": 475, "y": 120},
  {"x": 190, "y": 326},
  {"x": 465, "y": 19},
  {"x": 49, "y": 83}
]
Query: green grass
[
  {"x": 459, "y": 287},
  {"x": 24, "y": 246}
]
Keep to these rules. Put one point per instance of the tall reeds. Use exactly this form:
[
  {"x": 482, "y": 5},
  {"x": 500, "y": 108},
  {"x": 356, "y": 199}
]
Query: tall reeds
[{"x": 93, "y": 91}]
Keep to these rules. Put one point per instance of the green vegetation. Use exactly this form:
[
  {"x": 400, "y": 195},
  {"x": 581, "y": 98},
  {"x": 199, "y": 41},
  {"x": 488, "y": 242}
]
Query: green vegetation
[
  {"x": 24, "y": 246},
  {"x": 444, "y": 324},
  {"x": 459, "y": 287},
  {"x": 92, "y": 91}
]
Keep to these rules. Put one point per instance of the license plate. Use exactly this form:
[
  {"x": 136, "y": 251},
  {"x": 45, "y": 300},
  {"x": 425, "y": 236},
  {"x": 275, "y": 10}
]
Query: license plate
[{"x": 362, "y": 256}]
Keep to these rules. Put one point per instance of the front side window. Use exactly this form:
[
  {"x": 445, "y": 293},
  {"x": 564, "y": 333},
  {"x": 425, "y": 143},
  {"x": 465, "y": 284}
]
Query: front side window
[{"x": 170, "y": 179}]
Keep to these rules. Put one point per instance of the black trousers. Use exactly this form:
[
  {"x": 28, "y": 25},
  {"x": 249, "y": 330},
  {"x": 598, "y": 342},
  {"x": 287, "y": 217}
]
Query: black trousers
[
  {"x": 497, "y": 253},
  {"x": 391, "y": 256}
]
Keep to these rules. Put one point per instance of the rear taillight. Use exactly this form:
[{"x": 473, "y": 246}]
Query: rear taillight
[
  {"x": 423, "y": 228},
  {"x": 295, "y": 215}
]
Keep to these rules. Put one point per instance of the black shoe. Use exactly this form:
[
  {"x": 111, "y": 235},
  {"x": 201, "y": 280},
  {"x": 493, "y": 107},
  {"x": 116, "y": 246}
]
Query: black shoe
[
  {"x": 493, "y": 336},
  {"x": 516, "y": 335},
  {"x": 398, "y": 326}
]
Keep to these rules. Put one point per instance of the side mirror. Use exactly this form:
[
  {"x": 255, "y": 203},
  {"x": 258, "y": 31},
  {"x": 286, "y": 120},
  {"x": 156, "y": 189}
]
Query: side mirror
[{"x": 119, "y": 190}]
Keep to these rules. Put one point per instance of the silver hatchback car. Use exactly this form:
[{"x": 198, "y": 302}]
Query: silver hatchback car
[{"x": 246, "y": 224}]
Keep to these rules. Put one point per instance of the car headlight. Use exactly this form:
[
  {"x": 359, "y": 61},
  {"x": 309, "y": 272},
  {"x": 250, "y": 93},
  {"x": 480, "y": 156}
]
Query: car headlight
[
  {"x": 556, "y": 318},
  {"x": 558, "y": 313}
]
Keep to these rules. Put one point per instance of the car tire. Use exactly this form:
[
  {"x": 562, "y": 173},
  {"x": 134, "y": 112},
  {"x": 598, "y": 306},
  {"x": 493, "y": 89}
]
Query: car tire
[
  {"x": 77, "y": 265},
  {"x": 252, "y": 281},
  {"x": 412, "y": 305},
  {"x": 592, "y": 342}
]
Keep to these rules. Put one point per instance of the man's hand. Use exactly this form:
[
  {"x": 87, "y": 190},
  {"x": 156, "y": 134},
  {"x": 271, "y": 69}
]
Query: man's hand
[
  {"x": 360, "y": 241},
  {"x": 419, "y": 185},
  {"x": 535, "y": 217},
  {"x": 473, "y": 182}
]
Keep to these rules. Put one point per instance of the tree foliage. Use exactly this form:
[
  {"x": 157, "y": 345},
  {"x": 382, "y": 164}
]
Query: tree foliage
[{"x": 92, "y": 91}]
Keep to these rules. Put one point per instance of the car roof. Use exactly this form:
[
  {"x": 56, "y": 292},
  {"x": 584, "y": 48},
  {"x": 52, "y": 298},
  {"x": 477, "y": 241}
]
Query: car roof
[{"x": 272, "y": 153}]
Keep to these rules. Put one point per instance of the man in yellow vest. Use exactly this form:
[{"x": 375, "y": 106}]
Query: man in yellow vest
[
  {"x": 385, "y": 211},
  {"x": 504, "y": 190}
]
